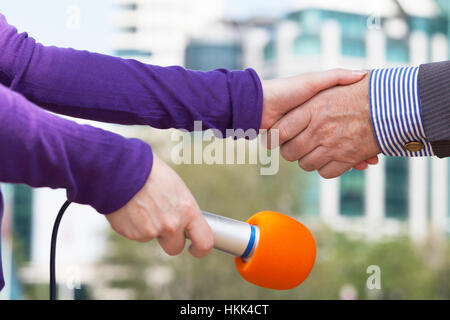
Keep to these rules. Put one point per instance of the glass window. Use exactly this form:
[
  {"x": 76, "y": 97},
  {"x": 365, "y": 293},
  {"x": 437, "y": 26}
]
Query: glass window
[
  {"x": 396, "y": 189},
  {"x": 309, "y": 199},
  {"x": 208, "y": 56},
  {"x": 352, "y": 193},
  {"x": 397, "y": 50},
  {"x": 353, "y": 30},
  {"x": 311, "y": 21},
  {"x": 353, "y": 47},
  {"x": 23, "y": 197},
  {"x": 269, "y": 51},
  {"x": 307, "y": 45}
]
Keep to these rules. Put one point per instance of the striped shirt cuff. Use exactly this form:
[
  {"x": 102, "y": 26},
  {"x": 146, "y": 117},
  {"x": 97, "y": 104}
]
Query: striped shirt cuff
[{"x": 396, "y": 112}]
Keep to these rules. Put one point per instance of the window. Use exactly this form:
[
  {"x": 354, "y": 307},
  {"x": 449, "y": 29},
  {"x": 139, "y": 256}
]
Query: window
[
  {"x": 269, "y": 51},
  {"x": 397, "y": 50},
  {"x": 129, "y": 29},
  {"x": 353, "y": 33},
  {"x": 353, "y": 47},
  {"x": 307, "y": 45},
  {"x": 308, "y": 182},
  {"x": 22, "y": 202},
  {"x": 206, "y": 56},
  {"x": 311, "y": 21},
  {"x": 396, "y": 196},
  {"x": 129, "y": 6},
  {"x": 352, "y": 193}
]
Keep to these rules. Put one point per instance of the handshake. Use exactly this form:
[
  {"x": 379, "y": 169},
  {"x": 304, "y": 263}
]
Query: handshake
[{"x": 322, "y": 120}]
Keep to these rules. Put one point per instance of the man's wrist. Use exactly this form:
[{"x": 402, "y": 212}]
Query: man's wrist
[{"x": 396, "y": 112}]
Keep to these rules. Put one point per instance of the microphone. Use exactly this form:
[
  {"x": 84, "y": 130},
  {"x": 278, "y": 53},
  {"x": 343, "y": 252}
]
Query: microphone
[{"x": 271, "y": 250}]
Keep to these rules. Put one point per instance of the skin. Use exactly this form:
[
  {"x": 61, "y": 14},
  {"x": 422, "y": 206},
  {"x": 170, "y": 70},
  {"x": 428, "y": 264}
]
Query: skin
[
  {"x": 332, "y": 132},
  {"x": 164, "y": 208},
  {"x": 282, "y": 96}
]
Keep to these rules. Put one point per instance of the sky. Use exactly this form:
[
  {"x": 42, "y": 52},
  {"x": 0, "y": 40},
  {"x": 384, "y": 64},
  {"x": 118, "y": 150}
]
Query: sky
[
  {"x": 64, "y": 29},
  {"x": 244, "y": 8},
  {"x": 89, "y": 33}
]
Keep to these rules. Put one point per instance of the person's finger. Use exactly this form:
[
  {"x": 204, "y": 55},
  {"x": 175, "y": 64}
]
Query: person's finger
[
  {"x": 365, "y": 164},
  {"x": 334, "y": 169},
  {"x": 372, "y": 160},
  {"x": 361, "y": 166},
  {"x": 173, "y": 243},
  {"x": 201, "y": 236},
  {"x": 318, "y": 81},
  {"x": 307, "y": 85},
  {"x": 291, "y": 125},
  {"x": 299, "y": 146},
  {"x": 314, "y": 160}
]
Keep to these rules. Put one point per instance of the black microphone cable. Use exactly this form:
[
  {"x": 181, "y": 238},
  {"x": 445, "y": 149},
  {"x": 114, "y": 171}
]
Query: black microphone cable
[{"x": 53, "y": 249}]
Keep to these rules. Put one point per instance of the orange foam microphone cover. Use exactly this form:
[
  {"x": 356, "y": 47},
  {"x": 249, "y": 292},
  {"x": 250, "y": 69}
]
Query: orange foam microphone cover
[{"x": 285, "y": 253}]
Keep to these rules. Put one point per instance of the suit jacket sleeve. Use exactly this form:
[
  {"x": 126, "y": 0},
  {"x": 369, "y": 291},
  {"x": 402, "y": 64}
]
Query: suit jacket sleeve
[{"x": 434, "y": 89}]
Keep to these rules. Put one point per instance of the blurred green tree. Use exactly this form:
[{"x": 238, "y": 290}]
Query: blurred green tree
[{"x": 238, "y": 191}]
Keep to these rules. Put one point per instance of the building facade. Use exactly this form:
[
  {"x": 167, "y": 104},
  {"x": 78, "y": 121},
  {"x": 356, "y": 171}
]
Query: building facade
[{"x": 398, "y": 195}]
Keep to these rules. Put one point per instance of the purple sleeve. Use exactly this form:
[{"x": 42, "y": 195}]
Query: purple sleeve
[
  {"x": 110, "y": 89},
  {"x": 96, "y": 167}
]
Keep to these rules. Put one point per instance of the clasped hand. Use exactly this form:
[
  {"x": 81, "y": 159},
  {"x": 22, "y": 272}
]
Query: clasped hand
[{"x": 323, "y": 121}]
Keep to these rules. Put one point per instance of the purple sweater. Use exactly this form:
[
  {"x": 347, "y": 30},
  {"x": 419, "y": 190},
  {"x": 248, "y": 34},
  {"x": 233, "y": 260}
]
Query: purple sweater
[{"x": 95, "y": 166}]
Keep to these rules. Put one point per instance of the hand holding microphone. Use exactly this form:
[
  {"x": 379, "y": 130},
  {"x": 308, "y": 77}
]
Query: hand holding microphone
[
  {"x": 271, "y": 250},
  {"x": 163, "y": 209}
]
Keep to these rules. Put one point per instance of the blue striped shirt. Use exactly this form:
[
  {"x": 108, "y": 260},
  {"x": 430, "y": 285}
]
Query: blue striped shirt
[{"x": 396, "y": 111}]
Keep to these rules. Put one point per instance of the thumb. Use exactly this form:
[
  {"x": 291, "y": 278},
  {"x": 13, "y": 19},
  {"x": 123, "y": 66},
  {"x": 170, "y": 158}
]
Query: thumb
[
  {"x": 284, "y": 94},
  {"x": 315, "y": 82}
]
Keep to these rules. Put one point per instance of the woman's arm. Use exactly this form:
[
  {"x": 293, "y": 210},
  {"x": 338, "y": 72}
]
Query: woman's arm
[
  {"x": 96, "y": 167},
  {"x": 102, "y": 169},
  {"x": 110, "y": 89}
]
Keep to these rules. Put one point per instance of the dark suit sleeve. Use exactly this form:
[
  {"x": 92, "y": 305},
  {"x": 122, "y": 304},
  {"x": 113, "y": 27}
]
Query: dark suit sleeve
[{"x": 434, "y": 88}]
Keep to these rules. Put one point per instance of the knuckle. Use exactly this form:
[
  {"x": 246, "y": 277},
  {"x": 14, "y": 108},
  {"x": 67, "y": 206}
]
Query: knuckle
[
  {"x": 306, "y": 166},
  {"x": 206, "y": 245},
  {"x": 169, "y": 225},
  {"x": 189, "y": 208},
  {"x": 129, "y": 235},
  {"x": 283, "y": 133},
  {"x": 287, "y": 154},
  {"x": 148, "y": 234}
]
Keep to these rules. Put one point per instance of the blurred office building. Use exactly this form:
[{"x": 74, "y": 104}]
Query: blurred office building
[
  {"x": 156, "y": 31},
  {"x": 398, "y": 196}
]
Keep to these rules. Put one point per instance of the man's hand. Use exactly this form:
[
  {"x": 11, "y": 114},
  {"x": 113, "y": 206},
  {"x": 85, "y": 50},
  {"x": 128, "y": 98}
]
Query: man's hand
[
  {"x": 164, "y": 208},
  {"x": 283, "y": 95},
  {"x": 331, "y": 132}
]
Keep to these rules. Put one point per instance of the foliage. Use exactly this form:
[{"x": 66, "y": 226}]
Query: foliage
[{"x": 239, "y": 191}]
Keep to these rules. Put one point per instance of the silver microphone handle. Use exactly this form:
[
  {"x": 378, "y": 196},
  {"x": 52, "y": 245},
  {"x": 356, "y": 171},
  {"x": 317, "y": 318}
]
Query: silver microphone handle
[{"x": 232, "y": 236}]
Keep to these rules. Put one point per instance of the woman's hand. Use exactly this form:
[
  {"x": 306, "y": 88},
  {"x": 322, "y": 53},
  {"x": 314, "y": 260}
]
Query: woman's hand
[
  {"x": 164, "y": 209},
  {"x": 285, "y": 94}
]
